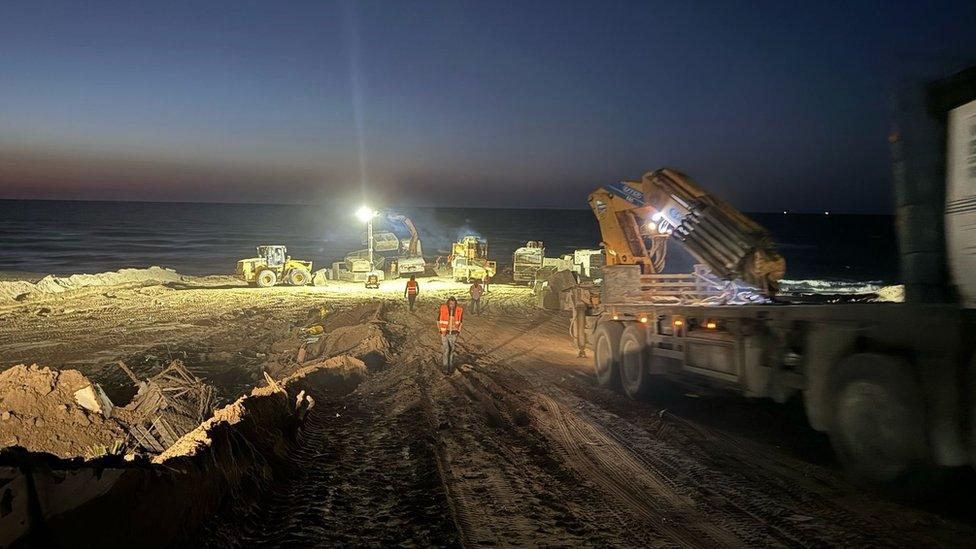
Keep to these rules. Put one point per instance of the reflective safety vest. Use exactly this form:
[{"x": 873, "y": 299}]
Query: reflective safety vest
[
  {"x": 412, "y": 287},
  {"x": 446, "y": 323}
]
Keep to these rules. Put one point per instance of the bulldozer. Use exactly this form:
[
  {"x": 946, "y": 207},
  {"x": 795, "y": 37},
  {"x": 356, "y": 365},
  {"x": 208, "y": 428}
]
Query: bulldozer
[{"x": 272, "y": 266}]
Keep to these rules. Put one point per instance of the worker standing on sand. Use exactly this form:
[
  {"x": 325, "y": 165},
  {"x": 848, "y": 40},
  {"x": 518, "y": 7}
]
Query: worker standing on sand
[
  {"x": 580, "y": 298},
  {"x": 449, "y": 326},
  {"x": 476, "y": 291},
  {"x": 412, "y": 291}
]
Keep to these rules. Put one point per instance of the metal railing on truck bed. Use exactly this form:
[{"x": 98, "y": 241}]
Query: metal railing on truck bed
[{"x": 624, "y": 284}]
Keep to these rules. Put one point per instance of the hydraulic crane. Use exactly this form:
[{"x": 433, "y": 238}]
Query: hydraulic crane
[{"x": 638, "y": 217}]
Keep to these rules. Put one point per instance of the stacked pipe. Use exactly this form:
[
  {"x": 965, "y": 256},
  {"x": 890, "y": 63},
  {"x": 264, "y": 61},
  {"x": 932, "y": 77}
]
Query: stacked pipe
[{"x": 716, "y": 234}]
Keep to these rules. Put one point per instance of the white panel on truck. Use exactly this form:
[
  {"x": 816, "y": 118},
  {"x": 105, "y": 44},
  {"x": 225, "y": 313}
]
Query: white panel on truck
[{"x": 961, "y": 201}]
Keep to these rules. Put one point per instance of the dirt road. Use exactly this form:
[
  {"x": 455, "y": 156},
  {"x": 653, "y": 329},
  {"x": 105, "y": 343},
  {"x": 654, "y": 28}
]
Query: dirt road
[{"x": 520, "y": 447}]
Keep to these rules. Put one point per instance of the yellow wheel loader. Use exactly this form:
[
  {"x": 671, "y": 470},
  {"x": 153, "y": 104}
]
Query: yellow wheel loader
[{"x": 273, "y": 266}]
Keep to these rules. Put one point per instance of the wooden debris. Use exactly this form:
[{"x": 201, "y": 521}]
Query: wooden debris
[{"x": 167, "y": 406}]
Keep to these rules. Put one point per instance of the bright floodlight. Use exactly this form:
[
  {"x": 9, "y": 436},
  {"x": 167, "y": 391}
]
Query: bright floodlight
[{"x": 364, "y": 213}]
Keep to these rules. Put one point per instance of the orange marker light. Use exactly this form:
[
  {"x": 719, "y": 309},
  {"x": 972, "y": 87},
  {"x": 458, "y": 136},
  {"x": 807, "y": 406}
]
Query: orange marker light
[{"x": 679, "y": 322}]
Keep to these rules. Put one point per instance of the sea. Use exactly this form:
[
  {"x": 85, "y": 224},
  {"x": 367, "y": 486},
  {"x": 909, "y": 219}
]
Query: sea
[{"x": 40, "y": 237}]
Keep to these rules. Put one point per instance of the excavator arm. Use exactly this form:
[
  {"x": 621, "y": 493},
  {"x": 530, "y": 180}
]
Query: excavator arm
[
  {"x": 413, "y": 246},
  {"x": 637, "y": 218}
]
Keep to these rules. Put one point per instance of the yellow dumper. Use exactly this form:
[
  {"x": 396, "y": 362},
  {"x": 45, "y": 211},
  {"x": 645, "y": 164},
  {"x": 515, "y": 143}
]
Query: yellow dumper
[{"x": 273, "y": 265}]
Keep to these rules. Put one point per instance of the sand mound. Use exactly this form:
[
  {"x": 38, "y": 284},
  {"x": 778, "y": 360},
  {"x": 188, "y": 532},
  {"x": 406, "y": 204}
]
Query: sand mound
[
  {"x": 365, "y": 342},
  {"x": 356, "y": 332},
  {"x": 18, "y": 289},
  {"x": 342, "y": 372},
  {"x": 361, "y": 314},
  {"x": 39, "y": 411},
  {"x": 12, "y": 290}
]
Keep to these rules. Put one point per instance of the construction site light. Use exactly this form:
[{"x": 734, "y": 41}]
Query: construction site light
[
  {"x": 643, "y": 319},
  {"x": 365, "y": 213},
  {"x": 711, "y": 325},
  {"x": 678, "y": 323}
]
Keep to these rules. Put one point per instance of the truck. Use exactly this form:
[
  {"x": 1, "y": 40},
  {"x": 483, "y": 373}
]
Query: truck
[
  {"x": 527, "y": 260},
  {"x": 893, "y": 385},
  {"x": 530, "y": 264}
]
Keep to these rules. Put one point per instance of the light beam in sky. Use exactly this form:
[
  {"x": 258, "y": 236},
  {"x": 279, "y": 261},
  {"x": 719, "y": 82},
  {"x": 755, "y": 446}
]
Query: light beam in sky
[{"x": 351, "y": 24}]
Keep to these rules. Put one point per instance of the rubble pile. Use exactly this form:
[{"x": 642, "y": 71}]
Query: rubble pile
[
  {"x": 238, "y": 452},
  {"x": 63, "y": 413},
  {"x": 166, "y": 406},
  {"x": 58, "y": 412}
]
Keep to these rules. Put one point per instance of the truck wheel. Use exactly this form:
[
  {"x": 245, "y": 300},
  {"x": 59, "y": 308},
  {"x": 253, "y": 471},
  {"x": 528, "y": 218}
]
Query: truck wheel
[
  {"x": 877, "y": 420},
  {"x": 634, "y": 375},
  {"x": 299, "y": 276},
  {"x": 606, "y": 353},
  {"x": 266, "y": 279}
]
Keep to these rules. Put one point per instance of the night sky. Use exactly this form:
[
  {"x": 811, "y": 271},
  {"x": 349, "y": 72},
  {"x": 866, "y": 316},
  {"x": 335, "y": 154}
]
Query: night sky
[{"x": 516, "y": 104}]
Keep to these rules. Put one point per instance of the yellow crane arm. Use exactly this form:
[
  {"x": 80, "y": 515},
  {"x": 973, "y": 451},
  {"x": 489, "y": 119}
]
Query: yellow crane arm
[{"x": 637, "y": 218}]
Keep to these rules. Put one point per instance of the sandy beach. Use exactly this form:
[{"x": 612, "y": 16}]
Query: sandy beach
[{"x": 519, "y": 445}]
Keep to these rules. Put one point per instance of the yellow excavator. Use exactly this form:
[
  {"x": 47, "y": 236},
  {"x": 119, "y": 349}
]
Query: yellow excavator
[
  {"x": 637, "y": 218},
  {"x": 411, "y": 258}
]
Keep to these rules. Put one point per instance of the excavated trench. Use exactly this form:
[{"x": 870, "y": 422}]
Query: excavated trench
[{"x": 259, "y": 442}]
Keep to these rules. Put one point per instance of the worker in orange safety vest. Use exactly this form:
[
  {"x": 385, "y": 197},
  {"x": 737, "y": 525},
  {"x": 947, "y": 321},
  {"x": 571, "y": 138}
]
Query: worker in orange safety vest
[
  {"x": 449, "y": 326},
  {"x": 412, "y": 291}
]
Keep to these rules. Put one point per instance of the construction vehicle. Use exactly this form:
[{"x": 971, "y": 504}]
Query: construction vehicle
[
  {"x": 410, "y": 257},
  {"x": 526, "y": 262},
  {"x": 469, "y": 260},
  {"x": 530, "y": 264},
  {"x": 892, "y": 384},
  {"x": 589, "y": 263},
  {"x": 273, "y": 265},
  {"x": 400, "y": 256},
  {"x": 355, "y": 267}
]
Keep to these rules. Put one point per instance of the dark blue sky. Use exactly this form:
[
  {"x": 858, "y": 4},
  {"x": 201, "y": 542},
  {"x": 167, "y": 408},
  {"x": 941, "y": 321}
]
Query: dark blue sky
[{"x": 778, "y": 106}]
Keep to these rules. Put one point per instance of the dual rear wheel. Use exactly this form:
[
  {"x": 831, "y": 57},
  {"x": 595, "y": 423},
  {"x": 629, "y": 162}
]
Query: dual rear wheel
[{"x": 622, "y": 359}]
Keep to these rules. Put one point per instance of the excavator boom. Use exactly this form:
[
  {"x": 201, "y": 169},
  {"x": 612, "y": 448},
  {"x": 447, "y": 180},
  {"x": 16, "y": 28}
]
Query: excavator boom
[
  {"x": 637, "y": 218},
  {"x": 413, "y": 246}
]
